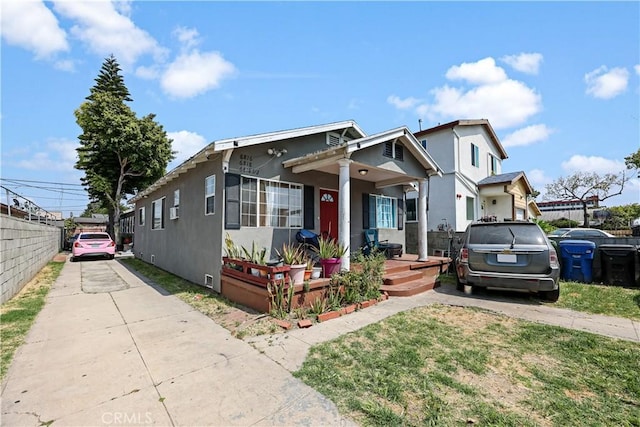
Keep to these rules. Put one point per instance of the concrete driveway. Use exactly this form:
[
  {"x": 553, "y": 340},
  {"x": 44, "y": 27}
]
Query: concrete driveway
[{"x": 109, "y": 349}]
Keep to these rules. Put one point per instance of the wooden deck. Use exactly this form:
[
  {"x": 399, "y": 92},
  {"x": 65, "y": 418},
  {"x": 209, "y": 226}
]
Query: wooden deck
[{"x": 405, "y": 276}]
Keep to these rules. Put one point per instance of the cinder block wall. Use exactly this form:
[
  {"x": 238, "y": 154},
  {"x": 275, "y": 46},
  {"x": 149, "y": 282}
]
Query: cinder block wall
[{"x": 25, "y": 248}]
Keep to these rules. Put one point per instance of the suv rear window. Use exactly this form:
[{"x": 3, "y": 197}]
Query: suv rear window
[
  {"x": 94, "y": 236},
  {"x": 526, "y": 234}
]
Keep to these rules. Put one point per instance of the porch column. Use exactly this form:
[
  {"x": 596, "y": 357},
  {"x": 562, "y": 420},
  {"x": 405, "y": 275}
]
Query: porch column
[
  {"x": 344, "y": 210},
  {"x": 423, "y": 252}
]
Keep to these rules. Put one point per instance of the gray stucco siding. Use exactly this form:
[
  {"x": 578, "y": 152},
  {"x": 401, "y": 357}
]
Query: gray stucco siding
[{"x": 190, "y": 245}]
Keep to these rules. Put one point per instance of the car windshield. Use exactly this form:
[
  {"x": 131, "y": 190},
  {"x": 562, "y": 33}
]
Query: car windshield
[
  {"x": 95, "y": 236},
  {"x": 523, "y": 234}
]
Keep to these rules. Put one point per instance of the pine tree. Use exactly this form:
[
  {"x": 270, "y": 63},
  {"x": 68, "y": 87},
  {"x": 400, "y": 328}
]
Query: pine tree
[
  {"x": 119, "y": 153},
  {"x": 109, "y": 80}
]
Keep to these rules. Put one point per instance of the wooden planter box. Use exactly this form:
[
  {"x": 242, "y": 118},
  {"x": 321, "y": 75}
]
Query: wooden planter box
[{"x": 241, "y": 269}]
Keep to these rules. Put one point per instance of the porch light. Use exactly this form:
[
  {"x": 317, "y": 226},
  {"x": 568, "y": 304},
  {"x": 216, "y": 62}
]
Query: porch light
[{"x": 363, "y": 172}]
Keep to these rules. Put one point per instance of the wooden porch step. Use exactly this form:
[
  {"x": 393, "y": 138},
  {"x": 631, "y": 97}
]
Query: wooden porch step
[
  {"x": 395, "y": 279},
  {"x": 411, "y": 288}
]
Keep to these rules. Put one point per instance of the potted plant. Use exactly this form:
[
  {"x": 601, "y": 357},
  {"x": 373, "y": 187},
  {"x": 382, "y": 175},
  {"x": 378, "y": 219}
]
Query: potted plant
[
  {"x": 309, "y": 268},
  {"x": 330, "y": 251},
  {"x": 257, "y": 256},
  {"x": 293, "y": 255}
]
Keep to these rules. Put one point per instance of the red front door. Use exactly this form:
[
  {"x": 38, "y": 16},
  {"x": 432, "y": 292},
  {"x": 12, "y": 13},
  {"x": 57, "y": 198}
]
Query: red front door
[{"x": 329, "y": 213}]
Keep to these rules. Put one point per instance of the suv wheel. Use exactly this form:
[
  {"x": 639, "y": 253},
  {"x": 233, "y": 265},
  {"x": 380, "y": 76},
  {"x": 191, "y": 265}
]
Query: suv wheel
[{"x": 551, "y": 296}]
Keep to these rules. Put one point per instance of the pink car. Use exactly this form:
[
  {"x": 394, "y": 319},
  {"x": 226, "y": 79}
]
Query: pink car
[{"x": 93, "y": 244}]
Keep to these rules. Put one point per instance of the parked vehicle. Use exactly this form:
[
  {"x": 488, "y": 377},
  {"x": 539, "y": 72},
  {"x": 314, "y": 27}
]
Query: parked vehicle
[
  {"x": 508, "y": 255},
  {"x": 68, "y": 243},
  {"x": 579, "y": 233},
  {"x": 93, "y": 244}
]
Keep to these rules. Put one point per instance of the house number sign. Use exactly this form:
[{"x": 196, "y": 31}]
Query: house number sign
[{"x": 246, "y": 164}]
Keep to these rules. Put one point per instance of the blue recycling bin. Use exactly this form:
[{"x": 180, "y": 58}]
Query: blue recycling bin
[{"x": 577, "y": 260}]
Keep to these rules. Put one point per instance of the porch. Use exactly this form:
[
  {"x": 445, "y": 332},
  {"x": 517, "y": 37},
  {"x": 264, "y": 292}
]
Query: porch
[{"x": 403, "y": 276}]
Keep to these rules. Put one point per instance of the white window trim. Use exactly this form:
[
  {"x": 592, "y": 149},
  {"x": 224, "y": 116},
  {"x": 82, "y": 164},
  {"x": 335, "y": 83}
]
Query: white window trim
[
  {"x": 176, "y": 197},
  {"x": 394, "y": 220},
  {"x": 207, "y": 195},
  {"x": 153, "y": 213},
  {"x": 258, "y": 212}
]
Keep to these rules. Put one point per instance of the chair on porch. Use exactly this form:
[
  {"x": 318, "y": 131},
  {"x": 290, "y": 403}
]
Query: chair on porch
[{"x": 373, "y": 244}]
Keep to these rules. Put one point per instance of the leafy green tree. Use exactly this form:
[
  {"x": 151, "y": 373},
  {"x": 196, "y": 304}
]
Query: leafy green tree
[
  {"x": 582, "y": 186},
  {"x": 621, "y": 217},
  {"x": 633, "y": 160},
  {"x": 119, "y": 153}
]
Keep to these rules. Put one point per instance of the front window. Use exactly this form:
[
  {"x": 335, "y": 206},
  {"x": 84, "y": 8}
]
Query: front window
[
  {"x": 210, "y": 195},
  {"x": 267, "y": 203},
  {"x": 386, "y": 212},
  {"x": 157, "y": 211}
]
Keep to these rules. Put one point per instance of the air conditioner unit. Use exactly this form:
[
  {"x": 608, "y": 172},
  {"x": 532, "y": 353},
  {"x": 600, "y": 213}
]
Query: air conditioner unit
[{"x": 174, "y": 212}]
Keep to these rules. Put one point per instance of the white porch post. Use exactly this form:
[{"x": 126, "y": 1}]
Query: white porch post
[
  {"x": 423, "y": 252},
  {"x": 344, "y": 211}
]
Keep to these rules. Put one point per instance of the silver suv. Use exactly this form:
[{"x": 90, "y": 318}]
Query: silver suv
[{"x": 508, "y": 255}]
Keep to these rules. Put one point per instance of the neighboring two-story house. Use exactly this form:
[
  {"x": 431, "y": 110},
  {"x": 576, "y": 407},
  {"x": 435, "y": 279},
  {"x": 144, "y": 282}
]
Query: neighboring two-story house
[
  {"x": 473, "y": 186},
  {"x": 332, "y": 179}
]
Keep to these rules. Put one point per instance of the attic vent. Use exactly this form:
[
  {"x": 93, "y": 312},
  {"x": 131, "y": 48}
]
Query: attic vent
[
  {"x": 393, "y": 150},
  {"x": 333, "y": 139},
  {"x": 388, "y": 149}
]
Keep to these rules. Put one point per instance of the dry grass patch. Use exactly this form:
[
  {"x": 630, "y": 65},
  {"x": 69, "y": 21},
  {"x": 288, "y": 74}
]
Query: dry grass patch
[{"x": 447, "y": 366}]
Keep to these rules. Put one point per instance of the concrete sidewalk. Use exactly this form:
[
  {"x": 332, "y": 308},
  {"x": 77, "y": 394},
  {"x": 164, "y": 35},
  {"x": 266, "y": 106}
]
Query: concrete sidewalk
[
  {"x": 116, "y": 351},
  {"x": 290, "y": 350}
]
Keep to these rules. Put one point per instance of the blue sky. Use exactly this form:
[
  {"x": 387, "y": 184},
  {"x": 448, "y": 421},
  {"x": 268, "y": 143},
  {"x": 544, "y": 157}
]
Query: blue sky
[{"x": 559, "y": 82}]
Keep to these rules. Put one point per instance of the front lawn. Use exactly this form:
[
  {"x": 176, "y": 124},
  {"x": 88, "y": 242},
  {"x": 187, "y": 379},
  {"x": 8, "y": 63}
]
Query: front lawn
[{"x": 447, "y": 366}]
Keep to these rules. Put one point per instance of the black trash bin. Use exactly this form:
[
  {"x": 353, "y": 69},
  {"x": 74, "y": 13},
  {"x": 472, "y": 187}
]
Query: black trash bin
[{"x": 618, "y": 264}]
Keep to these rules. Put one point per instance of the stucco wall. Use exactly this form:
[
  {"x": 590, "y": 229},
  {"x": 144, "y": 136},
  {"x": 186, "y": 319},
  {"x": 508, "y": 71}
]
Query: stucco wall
[{"x": 26, "y": 247}]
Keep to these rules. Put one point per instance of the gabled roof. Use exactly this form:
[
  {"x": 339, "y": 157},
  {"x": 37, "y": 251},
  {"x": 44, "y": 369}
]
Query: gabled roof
[
  {"x": 506, "y": 178},
  {"x": 478, "y": 122},
  {"x": 410, "y": 141},
  {"x": 347, "y": 126},
  {"x": 345, "y": 150}
]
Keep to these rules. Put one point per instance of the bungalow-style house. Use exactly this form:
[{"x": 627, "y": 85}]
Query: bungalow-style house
[
  {"x": 473, "y": 186},
  {"x": 332, "y": 179}
]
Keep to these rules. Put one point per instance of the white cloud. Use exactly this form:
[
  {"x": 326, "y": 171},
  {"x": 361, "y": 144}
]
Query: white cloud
[
  {"x": 578, "y": 163},
  {"x": 506, "y": 104},
  {"x": 525, "y": 62},
  {"x": 489, "y": 93},
  {"x": 484, "y": 71},
  {"x": 527, "y": 136},
  {"x": 194, "y": 73},
  {"x": 606, "y": 84},
  {"x": 59, "y": 155},
  {"x": 402, "y": 104},
  {"x": 105, "y": 30},
  {"x": 32, "y": 26},
  {"x": 637, "y": 68},
  {"x": 538, "y": 178},
  {"x": 185, "y": 144},
  {"x": 189, "y": 37}
]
